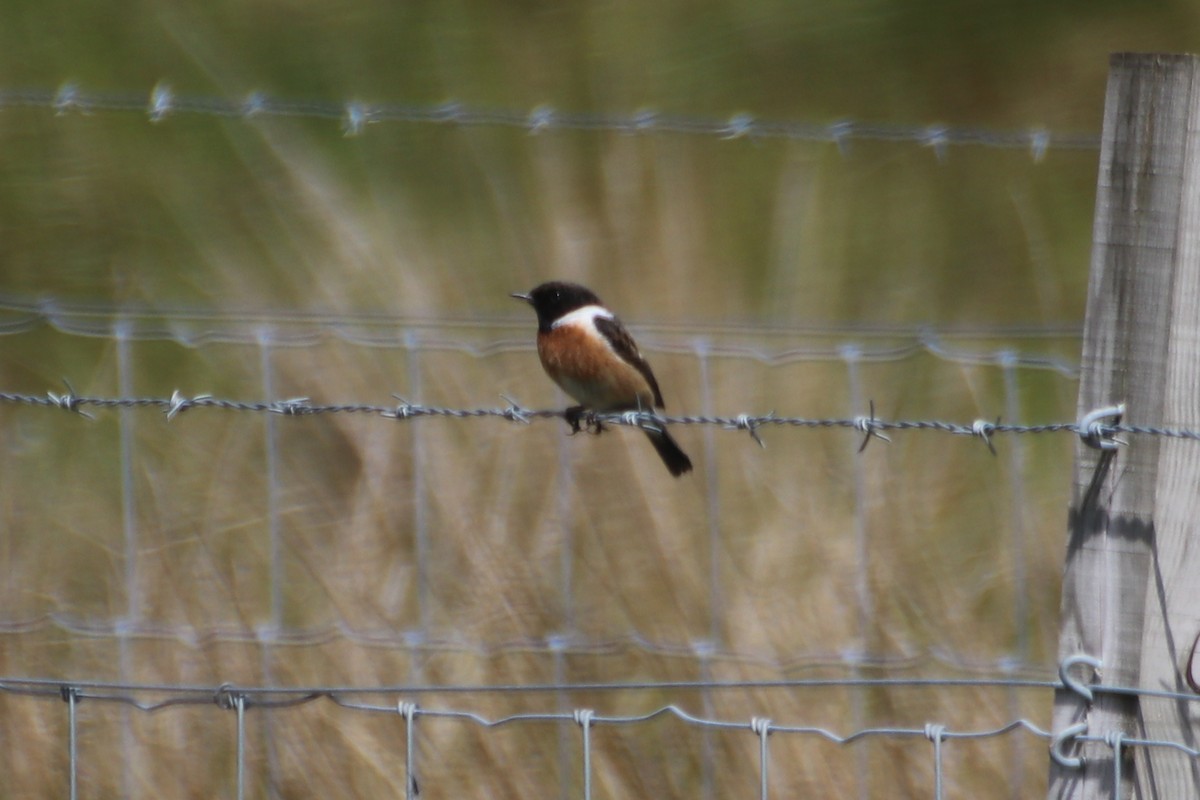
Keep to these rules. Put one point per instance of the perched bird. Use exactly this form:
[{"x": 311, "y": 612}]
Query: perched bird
[{"x": 586, "y": 350}]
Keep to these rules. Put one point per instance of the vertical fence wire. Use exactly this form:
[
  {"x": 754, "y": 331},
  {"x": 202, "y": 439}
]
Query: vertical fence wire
[
  {"x": 409, "y": 712},
  {"x": 275, "y": 545},
  {"x": 936, "y": 734},
  {"x": 708, "y": 748},
  {"x": 1115, "y": 740},
  {"x": 715, "y": 600},
  {"x": 1016, "y": 469},
  {"x": 850, "y": 356},
  {"x": 271, "y": 448},
  {"x": 128, "y": 496},
  {"x": 566, "y": 578},
  {"x": 583, "y": 717},
  {"x": 762, "y": 727},
  {"x": 129, "y": 523},
  {"x": 412, "y": 346},
  {"x": 712, "y": 497},
  {"x": 239, "y": 704},
  {"x": 563, "y": 701},
  {"x": 566, "y": 528},
  {"x": 274, "y": 771},
  {"x": 71, "y": 695}
]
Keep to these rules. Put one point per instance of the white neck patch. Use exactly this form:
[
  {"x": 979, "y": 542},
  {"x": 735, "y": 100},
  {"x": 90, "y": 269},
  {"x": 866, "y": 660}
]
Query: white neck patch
[{"x": 587, "y": 314}]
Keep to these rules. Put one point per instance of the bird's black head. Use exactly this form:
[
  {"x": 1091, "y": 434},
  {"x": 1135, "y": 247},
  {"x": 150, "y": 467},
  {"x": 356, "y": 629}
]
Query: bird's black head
[{"x": 554, "y": 299}]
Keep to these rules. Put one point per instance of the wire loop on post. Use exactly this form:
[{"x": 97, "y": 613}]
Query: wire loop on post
[
  {"x": 1057, "y": 744},
  {"x": 1085, "y": 693},
  {"x": 1096, "y": 428},
  {"x": 1069, "y": 682}
]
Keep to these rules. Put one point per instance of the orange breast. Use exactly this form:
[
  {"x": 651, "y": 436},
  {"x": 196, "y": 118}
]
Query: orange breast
[{"x": 587, "y": 370}]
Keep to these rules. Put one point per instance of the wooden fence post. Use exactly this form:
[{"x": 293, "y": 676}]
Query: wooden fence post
[{"x": 1131, "y": 590}]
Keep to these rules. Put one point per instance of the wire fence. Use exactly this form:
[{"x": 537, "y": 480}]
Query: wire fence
[
  {"x": 266, "y": 330},
  {"x": 134, "y": 620},
  {"x": 398, "y": 702},
  {"x": 578, "y": 713},
  {"x": 162, "y": 102}
]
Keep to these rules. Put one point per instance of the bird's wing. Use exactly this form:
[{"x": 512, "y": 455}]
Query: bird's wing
[{"x": 624, "y": 346}]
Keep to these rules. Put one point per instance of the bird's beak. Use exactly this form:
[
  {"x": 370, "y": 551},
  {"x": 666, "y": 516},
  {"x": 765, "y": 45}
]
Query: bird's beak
[{"x": 522, "y": 296}]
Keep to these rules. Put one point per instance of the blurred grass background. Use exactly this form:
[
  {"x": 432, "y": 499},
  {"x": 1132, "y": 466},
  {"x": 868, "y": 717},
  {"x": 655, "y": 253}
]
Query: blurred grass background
[{"x": 684, "y": 236}]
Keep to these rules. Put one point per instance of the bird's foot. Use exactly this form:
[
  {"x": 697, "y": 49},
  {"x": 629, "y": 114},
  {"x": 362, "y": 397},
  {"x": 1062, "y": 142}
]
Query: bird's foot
[{"x": 581, "y": 419}]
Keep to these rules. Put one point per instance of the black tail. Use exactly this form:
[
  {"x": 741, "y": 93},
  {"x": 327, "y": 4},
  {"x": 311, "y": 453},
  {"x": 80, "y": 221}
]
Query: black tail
[{"x": 676, "y": 460}]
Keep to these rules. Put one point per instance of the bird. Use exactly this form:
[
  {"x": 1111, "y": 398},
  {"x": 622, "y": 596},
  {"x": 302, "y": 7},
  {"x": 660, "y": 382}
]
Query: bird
[{"x": 586, "y": 350}]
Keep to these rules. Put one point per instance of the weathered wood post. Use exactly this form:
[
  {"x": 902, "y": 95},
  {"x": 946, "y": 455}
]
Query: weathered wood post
[{"x": 1131, "y": 591}]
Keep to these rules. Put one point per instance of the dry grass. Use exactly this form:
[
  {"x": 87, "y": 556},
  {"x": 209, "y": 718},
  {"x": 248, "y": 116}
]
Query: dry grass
[
  {"x": 442, "y": 222},
  {"x": 498, "y": 514}
]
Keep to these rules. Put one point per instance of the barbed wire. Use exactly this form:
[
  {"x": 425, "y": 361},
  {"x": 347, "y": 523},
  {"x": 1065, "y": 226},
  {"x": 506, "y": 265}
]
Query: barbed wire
[
  {"x": 1098, "y": 428},
  {"x": 163, "y": 102}
]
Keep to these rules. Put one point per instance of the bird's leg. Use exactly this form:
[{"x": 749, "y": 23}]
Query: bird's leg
[
  {"x": 582, "y": 419},
  {"x": 594, "y": 425}
]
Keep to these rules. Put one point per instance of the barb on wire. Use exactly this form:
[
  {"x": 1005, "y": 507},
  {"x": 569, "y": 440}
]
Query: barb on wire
[
  {"x": 67, "y": 402},
  {"x": 293, "y": 407},
  {"x": 354, "y": 116},
  {"x": 869, "y": 427},
  {"x": 515, "y": 411},
  {"x": 745, "y": 422},
  {"x": 984, "y": 430}
]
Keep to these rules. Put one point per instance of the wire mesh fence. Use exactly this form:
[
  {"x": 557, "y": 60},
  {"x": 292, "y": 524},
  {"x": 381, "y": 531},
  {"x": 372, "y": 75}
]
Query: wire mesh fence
[
  {"x": 1100, "y": 427},
  {"x": 570, "y": 624},
  {"x": 398, "y": 703},
  {"x": 270, "y": 586}
]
